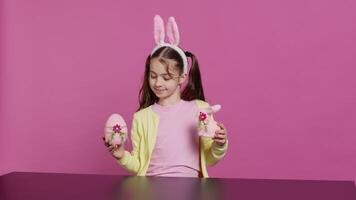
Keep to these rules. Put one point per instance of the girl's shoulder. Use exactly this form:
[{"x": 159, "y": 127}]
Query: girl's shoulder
[{"x": 143, "y": 112}]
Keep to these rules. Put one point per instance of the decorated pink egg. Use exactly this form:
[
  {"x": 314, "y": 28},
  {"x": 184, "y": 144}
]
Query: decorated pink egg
[{"x": 115, "y": 130}]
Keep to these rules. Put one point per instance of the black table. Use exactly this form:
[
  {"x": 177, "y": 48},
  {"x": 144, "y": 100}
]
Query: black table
[{"x": 30, "y": 186}]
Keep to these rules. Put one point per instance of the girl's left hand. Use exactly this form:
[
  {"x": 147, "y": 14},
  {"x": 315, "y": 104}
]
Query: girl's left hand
[{"x": 220, "y": 135}]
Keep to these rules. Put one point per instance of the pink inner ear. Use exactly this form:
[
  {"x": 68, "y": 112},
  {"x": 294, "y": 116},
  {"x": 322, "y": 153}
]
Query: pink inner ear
[
  {"x": 212, "y": 109},
  {"x": 158, "y": 28},
  {"x": 172, "y": 31},
  {"x": 215, "y": 108}
]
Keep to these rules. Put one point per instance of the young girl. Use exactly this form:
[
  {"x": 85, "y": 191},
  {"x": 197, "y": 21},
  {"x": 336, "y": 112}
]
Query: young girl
[{"x": 163, "y": 133}]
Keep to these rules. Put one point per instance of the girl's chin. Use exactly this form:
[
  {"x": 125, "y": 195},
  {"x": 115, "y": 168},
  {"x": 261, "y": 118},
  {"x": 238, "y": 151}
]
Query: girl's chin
[{"x": 159, "y": 93}]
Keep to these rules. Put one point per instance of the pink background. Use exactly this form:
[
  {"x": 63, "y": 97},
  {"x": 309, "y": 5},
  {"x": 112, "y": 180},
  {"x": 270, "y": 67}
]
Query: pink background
[{"x": 284, "y": 72}]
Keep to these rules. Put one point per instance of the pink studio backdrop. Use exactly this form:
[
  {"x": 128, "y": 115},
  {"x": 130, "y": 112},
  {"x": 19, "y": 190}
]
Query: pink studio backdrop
[{"x": 284, "y": 72}]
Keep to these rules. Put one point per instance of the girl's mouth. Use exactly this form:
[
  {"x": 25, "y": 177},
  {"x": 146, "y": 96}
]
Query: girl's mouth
[{"x": 159, "y": 91}]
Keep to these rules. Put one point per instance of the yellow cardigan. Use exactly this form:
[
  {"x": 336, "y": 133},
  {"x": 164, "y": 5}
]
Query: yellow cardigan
[{"x": 143, "y": 137}]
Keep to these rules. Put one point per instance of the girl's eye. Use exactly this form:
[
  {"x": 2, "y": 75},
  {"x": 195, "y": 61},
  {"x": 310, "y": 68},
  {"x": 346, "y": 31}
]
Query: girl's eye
[{"x": 166, "y": 78}]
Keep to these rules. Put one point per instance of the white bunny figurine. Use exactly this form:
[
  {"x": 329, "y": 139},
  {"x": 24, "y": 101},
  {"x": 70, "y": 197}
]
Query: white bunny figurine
[
  {"x": 206, "y": 124},
  {"x": 115, "y": 130}
]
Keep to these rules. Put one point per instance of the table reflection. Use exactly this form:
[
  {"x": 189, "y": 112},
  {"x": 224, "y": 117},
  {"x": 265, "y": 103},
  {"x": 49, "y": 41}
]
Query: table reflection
[{"x": 149, "y": 188}]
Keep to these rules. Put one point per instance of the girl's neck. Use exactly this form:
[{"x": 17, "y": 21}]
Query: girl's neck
[
  {"x": 167, "y": 102},
  {"x": 168, "y": 109},
  {"x": 171, "y": 100}
]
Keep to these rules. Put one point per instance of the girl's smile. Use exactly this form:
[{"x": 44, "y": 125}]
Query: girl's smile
[{"x": 157, "y": 91}]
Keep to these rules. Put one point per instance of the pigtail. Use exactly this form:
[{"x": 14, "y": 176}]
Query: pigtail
[
  {"x": 194, "y": 88},
  {"x": 146, "y": 96}
]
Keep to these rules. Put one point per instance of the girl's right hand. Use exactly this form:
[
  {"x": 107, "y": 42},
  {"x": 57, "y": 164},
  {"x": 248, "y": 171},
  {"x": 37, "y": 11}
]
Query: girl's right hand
[{"x": 117, "y": 151}]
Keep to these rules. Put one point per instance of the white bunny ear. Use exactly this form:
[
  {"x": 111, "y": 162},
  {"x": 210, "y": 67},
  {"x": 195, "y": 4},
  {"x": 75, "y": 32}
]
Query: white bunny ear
[
  {"x": 212, "y": 109},
  {"x": 158, "y": 29},
  {"x": 172, "y": 31},
  {"x": 216, "y": 108}
]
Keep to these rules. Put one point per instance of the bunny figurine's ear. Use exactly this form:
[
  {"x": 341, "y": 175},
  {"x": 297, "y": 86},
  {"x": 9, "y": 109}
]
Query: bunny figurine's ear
[
  {"x": 172, "y": 31},
  {"x": 158, "y": 28},
  {"x": 215, "y": 108},
  {"x": 212, "y": 109}
]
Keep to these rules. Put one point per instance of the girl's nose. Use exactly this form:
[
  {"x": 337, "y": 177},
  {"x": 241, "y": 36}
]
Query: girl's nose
[{"x": 158, "y": 81}]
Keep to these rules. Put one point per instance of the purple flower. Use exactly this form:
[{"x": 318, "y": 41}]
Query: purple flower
[
  {"x": 116, "y": 128},
  {"x": 202, "y": 116}
]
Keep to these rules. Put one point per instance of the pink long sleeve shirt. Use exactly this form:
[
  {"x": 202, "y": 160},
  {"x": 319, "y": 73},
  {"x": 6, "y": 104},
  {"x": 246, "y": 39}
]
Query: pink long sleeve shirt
[{"x": 176, "y": 152}]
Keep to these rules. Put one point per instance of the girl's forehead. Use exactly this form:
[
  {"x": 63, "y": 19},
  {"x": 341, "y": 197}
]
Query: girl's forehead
[{"x": 161, "y": 68}]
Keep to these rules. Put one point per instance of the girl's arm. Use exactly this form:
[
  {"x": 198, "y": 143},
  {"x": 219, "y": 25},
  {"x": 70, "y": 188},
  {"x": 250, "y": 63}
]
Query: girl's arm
[{"x": 130, "y": 161}]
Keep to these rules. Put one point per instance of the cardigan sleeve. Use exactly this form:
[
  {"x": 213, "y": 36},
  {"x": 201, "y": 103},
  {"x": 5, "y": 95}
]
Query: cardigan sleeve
[
  {"x": 131, "y": 161},
  {"x": 215, "y": 152}
]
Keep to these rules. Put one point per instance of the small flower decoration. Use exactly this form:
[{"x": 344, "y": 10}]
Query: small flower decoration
[
  {"x": 116, "y": 128},
  {"x": 203, "y": 120},
  {"x": 202, "y": 116}
]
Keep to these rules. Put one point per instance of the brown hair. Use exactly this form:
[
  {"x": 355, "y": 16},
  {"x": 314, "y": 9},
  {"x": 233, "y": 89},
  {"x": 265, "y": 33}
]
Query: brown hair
[{"x": 194, "y": 88}]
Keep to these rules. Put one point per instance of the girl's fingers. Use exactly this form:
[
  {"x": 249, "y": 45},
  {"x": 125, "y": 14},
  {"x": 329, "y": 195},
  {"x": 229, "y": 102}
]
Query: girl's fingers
[
  {"x": 114, "y": 149},
  {"x": 220, "y": 141},
  {"x": 220, "y": 132},
  {"x": 111, "y": 147},
  {"x": 106, "y": 143},
  {"x": 220, "y": 137},
  {"x": 221, "y": 126}
]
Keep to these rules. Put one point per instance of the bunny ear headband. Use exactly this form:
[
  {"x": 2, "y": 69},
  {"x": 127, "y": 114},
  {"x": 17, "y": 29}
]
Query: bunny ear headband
[{"x": 173, "y": 36}]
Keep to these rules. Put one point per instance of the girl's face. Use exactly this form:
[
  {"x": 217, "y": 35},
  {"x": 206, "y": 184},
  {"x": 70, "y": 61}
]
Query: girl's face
[{"x": 164, "y": 84}]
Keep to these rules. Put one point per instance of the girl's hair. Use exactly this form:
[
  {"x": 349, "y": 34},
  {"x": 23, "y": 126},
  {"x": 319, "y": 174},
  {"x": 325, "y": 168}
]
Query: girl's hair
[{"x": 194, "y": 88}]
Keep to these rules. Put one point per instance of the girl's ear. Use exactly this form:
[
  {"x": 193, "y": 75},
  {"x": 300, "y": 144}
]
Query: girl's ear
[
  {"x": 158, "y": 29},
  {"x": 172, "y": 31},
  {"x": 182, "y": 78}
]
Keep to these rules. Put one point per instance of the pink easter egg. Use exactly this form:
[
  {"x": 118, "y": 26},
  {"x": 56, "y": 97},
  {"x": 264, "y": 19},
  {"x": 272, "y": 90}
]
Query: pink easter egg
[{"x": 114, "y": 126}]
